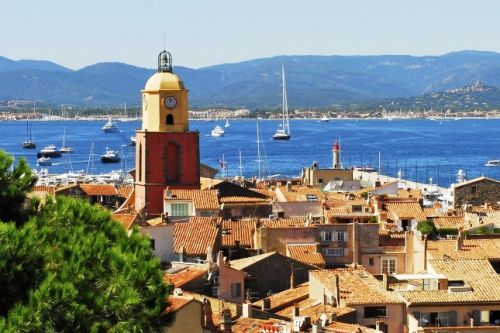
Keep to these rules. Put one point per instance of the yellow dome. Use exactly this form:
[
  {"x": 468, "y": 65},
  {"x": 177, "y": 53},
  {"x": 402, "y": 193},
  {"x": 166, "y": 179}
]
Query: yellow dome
[{"x": 164, "y": 80}]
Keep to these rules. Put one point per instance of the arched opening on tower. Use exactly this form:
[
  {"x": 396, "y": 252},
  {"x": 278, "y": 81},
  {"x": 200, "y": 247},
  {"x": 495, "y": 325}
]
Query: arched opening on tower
[
  {"x": 170, "y": 119},
  {"x": 172, "y": 162},
  {"x": 139, "y": 167}
]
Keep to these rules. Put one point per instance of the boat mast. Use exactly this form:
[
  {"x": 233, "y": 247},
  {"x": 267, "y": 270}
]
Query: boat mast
[
  {"x": 241, "y": 166},
  {"x": 259, "y": 159},
  {"x": 64, "y": 137},
  {"x": 90, "y": 163},
  {"x": 286, "y": 124}
]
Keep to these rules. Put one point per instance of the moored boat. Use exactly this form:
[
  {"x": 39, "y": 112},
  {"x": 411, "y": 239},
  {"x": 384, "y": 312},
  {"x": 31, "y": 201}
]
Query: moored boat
[
  {"x": 217, "y": 131},
  {"x": 44, "y": 161},
  {"x": 110, "y": 126},
  {"x": 110, "y": 156},
  {"x": 49, "y": 151},
  {"x": 493, "y": 163},
  {"x": 283, "y": 131}
]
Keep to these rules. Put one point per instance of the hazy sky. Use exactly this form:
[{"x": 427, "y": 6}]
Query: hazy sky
[{"x": 206, "y": 32}]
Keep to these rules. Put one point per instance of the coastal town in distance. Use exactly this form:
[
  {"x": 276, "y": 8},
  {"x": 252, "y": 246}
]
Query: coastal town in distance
[{"x": 134, "y": 201}]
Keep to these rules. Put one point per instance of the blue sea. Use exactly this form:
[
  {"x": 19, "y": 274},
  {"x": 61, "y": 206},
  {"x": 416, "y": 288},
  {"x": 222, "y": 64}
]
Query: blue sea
[{"x": 420, "y": 148}]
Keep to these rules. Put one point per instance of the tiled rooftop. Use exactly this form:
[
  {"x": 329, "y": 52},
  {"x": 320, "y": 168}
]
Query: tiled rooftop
[
  {"x": 127, "y": 220},
  {"x": 175, "y": 303},
  {"x": 470, "y": 249},
  {"x": 296, "y": 222},
  {"x": 405, "y": 211},
  {"x": 299, "y": 193},
  {"x": 98, "y": 189},
  {"x": 197, "y": 235},
  {"x": 306, "y": 253},
  {"x": 357, "y": 286},
  {"x": 241, "y": 231},
  {"x": 340, "y": 327},
  {"x": 202, "y": 199},
  {"x": 314, "y": 309},
  {"x": 449, "y": 222},
  {"x": 183, "y": 277},
  {"x": 286, "y": 298},
  {"x": 476, "y": 273}
]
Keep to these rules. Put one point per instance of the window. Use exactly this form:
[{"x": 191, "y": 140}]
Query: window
[
  {"x": 180, "y": 209},
  {"x": 388, "y": 266},
  {"x": 152, "y": 242},
  {"x": 326, "y": 236},
  {"x": 357, "y": 209},
  {"x": 371, "y": 261},
  {"x": 170, "y": 119},
  {"x": 375, "y": 311},
  {"x": 436, "y": 319},
  {"x": 311, "y": 197},
  {"x": 334, "y": 252},
  {"x": 235, "y": 290},
  {"x": 341, "y": 236},
  {"x": 320, "y": 181},
  {"x": 473, "y": 190}
]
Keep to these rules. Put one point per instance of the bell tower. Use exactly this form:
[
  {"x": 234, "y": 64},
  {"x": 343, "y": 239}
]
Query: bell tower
[{"x": 167, "y": 153}]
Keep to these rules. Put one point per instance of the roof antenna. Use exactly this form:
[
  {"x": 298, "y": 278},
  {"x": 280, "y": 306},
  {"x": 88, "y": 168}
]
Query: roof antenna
[{"x": 164, "y": 43}]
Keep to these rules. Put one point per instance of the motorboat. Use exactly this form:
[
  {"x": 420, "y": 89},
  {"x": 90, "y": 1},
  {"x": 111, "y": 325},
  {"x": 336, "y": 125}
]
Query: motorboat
[
  {"x": 324, "y": 118},
  {"x": 492, "y": 163},
  {"x": 110, "y": 126},
  {"x": 217, "y": 131},
  {"x": 132, "y": 140},
  {"x": 110, "y": 156},
  {"x": 49, "y": 151},
  {"x": 283, "y": 131},
  {"x": 44, "y": 161}
]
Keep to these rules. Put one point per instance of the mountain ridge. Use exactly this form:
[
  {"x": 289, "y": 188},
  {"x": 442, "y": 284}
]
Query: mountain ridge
[{"x": 312, "y": 81}]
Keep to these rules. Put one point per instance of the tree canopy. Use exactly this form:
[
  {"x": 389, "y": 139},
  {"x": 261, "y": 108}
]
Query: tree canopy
[{"x": 70, "y": 268}]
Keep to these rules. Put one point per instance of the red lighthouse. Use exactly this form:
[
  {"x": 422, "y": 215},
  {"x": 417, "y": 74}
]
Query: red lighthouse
[{"x": 167, "y": 153}]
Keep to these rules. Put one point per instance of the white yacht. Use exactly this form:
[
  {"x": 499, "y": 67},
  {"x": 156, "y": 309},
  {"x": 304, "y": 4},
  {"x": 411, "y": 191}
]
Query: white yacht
[
  {"x": 493, "y": 163},
  {"x": 110, "y": 126},
  {"x": 49, "y": 151},
  {"x": 283, "y": 131},
  {"x": 44, "y": 161},
  {"x": 217, "y": 131},
  {"x": 324, "y": 119}
]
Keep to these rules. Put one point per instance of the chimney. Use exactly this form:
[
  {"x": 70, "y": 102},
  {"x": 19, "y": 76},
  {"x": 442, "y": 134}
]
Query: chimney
[
  {"x": 288, "y": 186},
  {"x": 295, "y": 311},
  {"x": 266, "y": 304},
  {"x": 337, "y": 290},
  {"x": 385, "y": 281},
  {"x": 246, "y": 310},
  {"x": 292, "y": 278},
  {"x": 182, "y": 254},
  {"x": 225, "y": 320},
  {"x": 460, "y": 240}
]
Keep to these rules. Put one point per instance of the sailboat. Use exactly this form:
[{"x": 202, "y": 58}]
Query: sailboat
[
  {"x": 227, "y": 123},
  {"x": 283, "y": 131},
  {"x": 28, "y": 143},
  {"x": 324, "y": 118},
  {"x": 65, "y": 149}
]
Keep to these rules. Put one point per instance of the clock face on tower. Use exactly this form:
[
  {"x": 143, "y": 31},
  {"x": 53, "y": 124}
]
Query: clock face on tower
[{"x": 170, "y": 102}]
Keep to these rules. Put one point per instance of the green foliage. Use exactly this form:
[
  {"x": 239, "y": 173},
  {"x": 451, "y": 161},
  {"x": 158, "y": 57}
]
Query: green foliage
[
  {"x": 426, "y": 227},
  {"x": 364, "y": 195},
  {"x": 15, "y": 182},
  {"x": 374, "y": 219},
  {"x": 70, "y": 268},
  {"x": 448, "y": 231}
]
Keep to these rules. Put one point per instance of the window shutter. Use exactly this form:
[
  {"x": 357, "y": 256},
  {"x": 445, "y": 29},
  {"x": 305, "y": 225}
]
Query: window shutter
[
  {"x": 452, "y": 318},
  {"x": 346, "y": 251},
  {"x": 323, "y": 235},
  {"x": 345, "y": 236},
  {"x": 476, "y": 315}
]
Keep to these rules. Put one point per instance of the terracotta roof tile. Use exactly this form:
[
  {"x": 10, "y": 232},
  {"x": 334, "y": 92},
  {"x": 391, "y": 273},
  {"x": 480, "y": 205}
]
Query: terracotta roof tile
[
  {"x": 98, "y": 189},
  {"x": 409, "y": 193},
  {"x": 470, "y": 249},
  {"x": 238, "y": 231},
  {"x": 297, "y": 222},
  {"x": 125, "y": 190},
  {"x": 286, "y": 298},
  {"x": 449, "y": 222},
  {"x": 314, "y": 309},
  {"x": 202, "y": 199},
  {"x": 47, "y": 189},
  {"x": 406, "y": 210},
  {"x": 476, "y": 273},
  {"x": 357, "y": 286},
  {"x": 183, "y": 277},
  {"x": 216, "y": 306},
  {"x": 306, "y": 253},
  {"x": 197, "y": 235},
  {"x": 243, "y": 200},
  {"x": 176, "y": 303},
  {"x": 127, "y": 220},
  {"x": 253, "y": 325},
  {"x": 339, "y": 327},
  {"x": 299, "y": 193}
]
